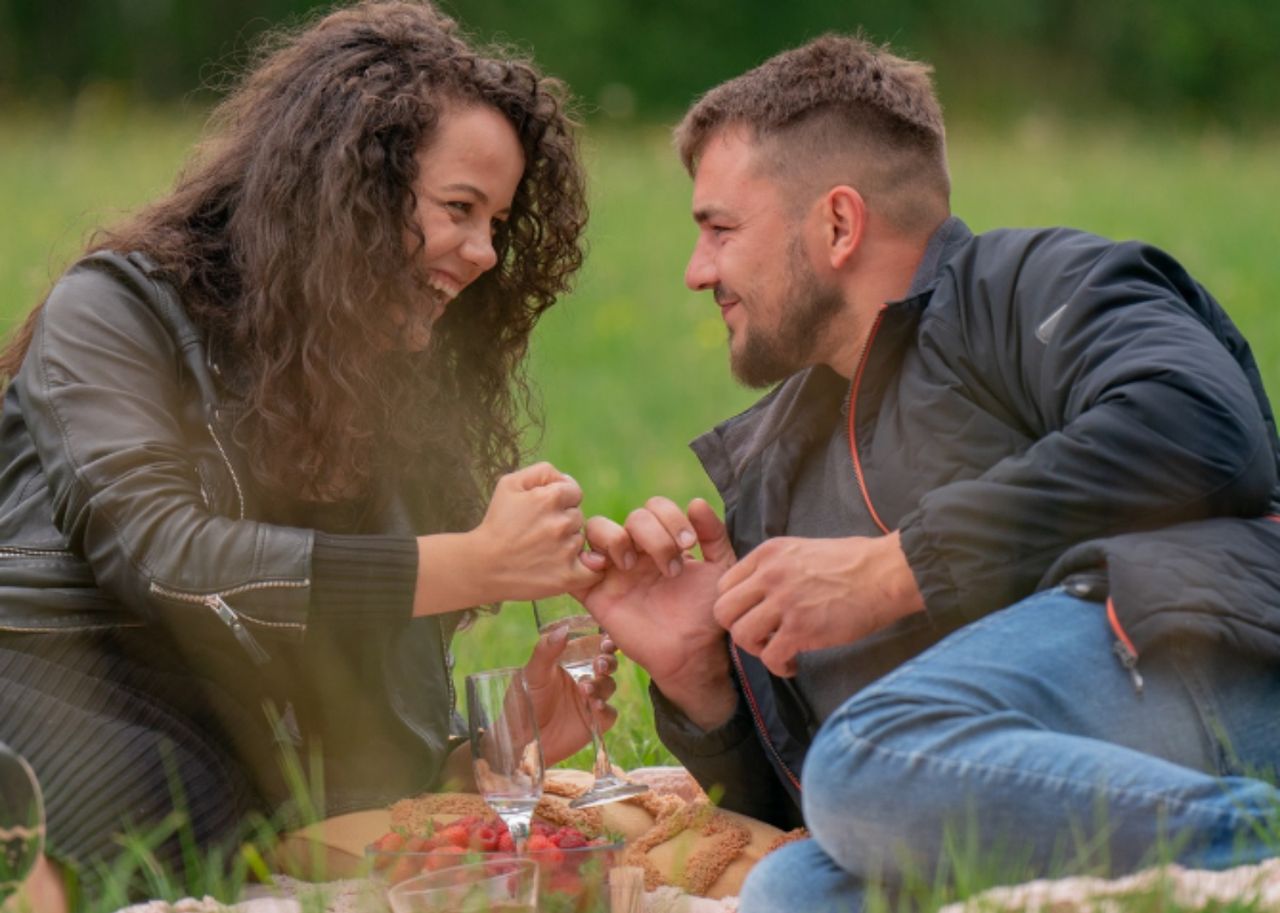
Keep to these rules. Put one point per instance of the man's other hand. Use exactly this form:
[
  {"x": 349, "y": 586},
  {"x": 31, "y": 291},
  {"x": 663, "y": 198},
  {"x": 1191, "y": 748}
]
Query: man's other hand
[
  {"x": 656, "y": 599},
  {"x": 791, "y": 595}
]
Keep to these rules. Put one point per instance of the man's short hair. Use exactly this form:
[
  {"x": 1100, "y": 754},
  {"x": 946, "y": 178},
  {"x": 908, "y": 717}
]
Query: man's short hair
[{"x": 837, "y": 110}]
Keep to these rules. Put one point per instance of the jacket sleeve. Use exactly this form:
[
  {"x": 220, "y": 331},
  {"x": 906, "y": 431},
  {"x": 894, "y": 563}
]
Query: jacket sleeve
[
  {"x": 1138, "y": 398},
  {"x": 728, "y": 761},
  {"x": 104, "y": 397}
]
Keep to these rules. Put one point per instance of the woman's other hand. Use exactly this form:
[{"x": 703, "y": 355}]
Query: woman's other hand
[{"x": 560, "y": 705}]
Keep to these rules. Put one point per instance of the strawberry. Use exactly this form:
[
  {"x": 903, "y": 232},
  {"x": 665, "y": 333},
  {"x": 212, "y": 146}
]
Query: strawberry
[
  {"x": 440, "y": 858},
  {"x": 484, "y": 839},
  {"x": 505, "y": 842},
  {"x": 390, "y": 842},
  {"x": 455, "y": 836},
  {"x": 539, "y": 842},
  {"x": 418, "y": 844},
  {"x": 405, "y": 867},
  {"x": 568, "y": 838}
]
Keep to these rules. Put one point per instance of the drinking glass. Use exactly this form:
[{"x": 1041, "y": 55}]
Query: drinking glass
[
  {"x": 21, "y": 821},
  {"x": 578, "y": 659},
  {"x": 502, "y": 886},
  {"x": 506, "y": 753}
]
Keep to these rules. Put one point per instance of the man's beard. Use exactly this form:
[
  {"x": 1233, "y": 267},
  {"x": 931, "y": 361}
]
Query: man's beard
[{"x": 766, "y": 359}]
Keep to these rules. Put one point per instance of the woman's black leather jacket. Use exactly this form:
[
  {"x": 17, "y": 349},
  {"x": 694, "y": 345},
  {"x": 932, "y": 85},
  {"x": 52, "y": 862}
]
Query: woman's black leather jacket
[{"x": 124, "y": 502}]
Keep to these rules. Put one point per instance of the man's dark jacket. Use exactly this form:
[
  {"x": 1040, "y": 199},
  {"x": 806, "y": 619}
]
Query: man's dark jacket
[{"x": 1044, "y": 406}]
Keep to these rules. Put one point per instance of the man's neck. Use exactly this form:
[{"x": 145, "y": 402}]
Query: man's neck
[{"x": 887, "y": 268}]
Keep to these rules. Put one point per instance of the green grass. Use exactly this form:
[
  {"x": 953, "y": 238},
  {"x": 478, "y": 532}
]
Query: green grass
[{"x": 632, "y": 365}]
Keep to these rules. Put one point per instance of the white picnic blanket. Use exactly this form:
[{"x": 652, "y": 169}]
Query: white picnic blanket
[{"x": 362, "y": 896}]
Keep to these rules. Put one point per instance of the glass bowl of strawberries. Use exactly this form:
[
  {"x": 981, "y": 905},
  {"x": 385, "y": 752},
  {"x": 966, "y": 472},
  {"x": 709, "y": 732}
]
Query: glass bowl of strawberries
[{"x": 573, "y": 867}]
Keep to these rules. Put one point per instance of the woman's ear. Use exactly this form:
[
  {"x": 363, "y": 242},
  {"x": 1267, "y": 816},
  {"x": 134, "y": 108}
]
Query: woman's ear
[{"x": 844, "y": 214}]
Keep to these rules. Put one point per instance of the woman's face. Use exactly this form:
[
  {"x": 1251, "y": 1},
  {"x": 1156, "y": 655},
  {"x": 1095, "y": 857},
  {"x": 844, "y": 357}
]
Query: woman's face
[{"x": 467, "y": 178}]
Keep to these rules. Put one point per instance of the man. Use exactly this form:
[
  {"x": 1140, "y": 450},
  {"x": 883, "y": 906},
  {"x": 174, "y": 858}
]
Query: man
[{"x": 1000, "y": 550}]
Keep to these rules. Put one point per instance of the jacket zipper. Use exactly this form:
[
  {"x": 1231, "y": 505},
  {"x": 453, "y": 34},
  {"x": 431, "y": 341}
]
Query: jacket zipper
[
  {"x": 233, "y": 619},
  {"x": 24, "y": 551},
  {"x": 1123, "y": 647},
  {"x": 862, "y": 487},
  {"x": 853, "y": 411},
  {"x": 758, "y": 719}
]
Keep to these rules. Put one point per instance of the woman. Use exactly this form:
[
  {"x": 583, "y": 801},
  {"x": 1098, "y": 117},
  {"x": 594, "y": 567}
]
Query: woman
[{"x": 247, "y": 441}]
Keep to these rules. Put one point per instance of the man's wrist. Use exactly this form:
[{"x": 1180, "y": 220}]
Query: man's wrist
[
  {"x": 902, "y": 593},
  {"x": 706, "y": 696}
]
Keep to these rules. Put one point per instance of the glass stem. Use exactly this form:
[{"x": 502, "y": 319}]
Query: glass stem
[
  {"x": 602, "y": 766},
  {"x": 518, "y": 827}
]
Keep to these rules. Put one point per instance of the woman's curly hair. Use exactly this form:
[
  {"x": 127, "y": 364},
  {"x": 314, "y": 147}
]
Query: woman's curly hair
[{"x": 286, "y": 237}]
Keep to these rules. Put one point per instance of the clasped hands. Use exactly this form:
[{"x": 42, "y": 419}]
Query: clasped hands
[{"x": 669, "y": 610}]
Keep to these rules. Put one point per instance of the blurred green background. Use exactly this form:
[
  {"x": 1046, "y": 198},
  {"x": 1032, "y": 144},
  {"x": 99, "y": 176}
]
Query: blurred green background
[
  {"x": 1130, "y": 119},
  {"x": 1213, "y": 61}
]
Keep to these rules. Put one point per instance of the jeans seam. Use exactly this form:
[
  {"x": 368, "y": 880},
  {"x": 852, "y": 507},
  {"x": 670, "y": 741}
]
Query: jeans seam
[{"x": 1047, "y": 779}]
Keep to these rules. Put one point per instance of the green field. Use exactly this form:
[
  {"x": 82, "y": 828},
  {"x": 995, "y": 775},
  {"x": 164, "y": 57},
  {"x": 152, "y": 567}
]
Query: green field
[{"x": 631, "y": 365}]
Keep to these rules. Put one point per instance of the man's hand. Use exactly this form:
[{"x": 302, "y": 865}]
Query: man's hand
[
  {"x": 560, "y": 705},
  {"x": 655, "y": 602},
  {"x": 792, "y": 595}
]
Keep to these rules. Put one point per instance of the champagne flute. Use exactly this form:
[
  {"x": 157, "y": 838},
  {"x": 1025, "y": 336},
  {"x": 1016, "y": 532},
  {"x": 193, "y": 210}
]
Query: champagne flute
[
  {"x": 22, "y": 821},
  {"x": 506, "y": 753},
  {"x": 581, "y": 649}
]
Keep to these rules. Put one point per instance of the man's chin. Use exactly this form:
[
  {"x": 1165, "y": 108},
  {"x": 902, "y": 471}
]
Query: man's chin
[{"x": 756, "y": 376}]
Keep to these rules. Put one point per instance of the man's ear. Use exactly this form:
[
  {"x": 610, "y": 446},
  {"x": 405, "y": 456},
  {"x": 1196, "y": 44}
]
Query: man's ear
[{"x": 844, "y": 214}]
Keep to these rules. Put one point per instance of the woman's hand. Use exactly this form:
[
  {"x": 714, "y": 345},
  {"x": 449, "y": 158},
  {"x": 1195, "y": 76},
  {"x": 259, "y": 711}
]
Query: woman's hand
[
  {"x": 528, "y": 546},
  {"x": 533, "y": 535},
  {"x": 560, "y": 705}
]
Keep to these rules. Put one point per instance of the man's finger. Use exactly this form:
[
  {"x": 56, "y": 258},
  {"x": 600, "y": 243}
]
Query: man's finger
[
  {"x": 732, "y": 604},
  {"x": 739, "y": 572},
  {"x": 604, "y": 535},
  {"x": 756, "y": 626},
  {"x": 712, "y": 535},
  {"x": 673, "y": 520},
  {"x": 652, "y": 538},
  {"x": 779, "y": 656}
]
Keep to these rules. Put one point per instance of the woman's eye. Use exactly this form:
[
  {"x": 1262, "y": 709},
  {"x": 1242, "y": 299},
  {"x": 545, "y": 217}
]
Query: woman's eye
[{"x": 461, "y": 207}]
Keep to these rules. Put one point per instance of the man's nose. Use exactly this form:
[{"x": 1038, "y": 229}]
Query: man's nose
[{"x": 700, "y": 274}]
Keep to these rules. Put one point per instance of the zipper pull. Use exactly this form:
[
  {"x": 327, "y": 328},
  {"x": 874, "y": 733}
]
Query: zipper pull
[
  {"x": 229, "y": 617},
  {"x": 1129, "y": 660}
]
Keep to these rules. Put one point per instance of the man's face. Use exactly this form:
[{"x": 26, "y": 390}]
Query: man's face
[{"x": 751, "y": 255}]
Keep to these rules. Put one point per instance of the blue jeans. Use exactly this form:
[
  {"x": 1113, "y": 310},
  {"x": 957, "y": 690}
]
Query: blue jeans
[{"x": 1018, "y": 746}]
